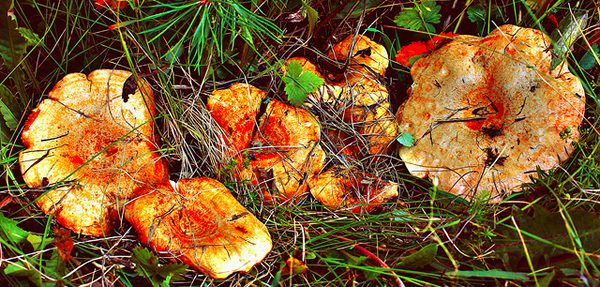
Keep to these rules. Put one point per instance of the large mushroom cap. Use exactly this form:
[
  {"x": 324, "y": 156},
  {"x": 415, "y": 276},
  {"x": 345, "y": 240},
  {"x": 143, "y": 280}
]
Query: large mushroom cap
[
  {"x": 95, "y": 141},
  {"x": 351, "y": 189},
  {"x": 235, "y": 110},
  {"x": 485, "y": 112},
  {"x": 202, "y": 224}
]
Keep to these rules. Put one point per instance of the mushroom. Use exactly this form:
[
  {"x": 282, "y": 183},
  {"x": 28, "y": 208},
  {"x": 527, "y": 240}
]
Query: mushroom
[
  {"x": 235, "y": 110},
  {"x": 286, "y": 144},
  {"x": 351, "y": 189},
  {"x": 486, "y": 112},
  {"x": 201, "y": 223},
  {"x": 89, "y": 145},
  {"x": 365, "y": 55},
  {"x": 364, "y": 100}
]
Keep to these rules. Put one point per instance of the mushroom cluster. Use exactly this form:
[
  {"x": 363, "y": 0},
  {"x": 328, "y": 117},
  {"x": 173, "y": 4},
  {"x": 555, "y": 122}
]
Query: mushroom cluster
[
  {"x": 486, "y": 112},
  {"x": 285, "y": 157},
  {"x": 281, "y": 153},
  {"x": 91, "y": 146}
]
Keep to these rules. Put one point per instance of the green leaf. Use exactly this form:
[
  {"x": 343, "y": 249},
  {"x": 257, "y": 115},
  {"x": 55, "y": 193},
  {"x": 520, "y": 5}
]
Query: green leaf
[
  {"x": 590, "y": 58},
  {"x": 31, "y": 37},
  {"x": 312, "y": 15},
  {"x": 494, "y": 273},
  {"x": 299, "y": 83},
  {"x": 9, "y": 109},
  {"x": 421, "y": 258},
  {"x": 421, "y": 17},
  {"x": 568, "y": 31},
  {"x": 476, "y": 14},
  {"x": 13, "y": 45},
  {"x": 147, "y": 266},
  {"x": 36, "y": 241},
  {"x": 406, "y": 139},
  {"x": 12, "y": 232},
  {"x": 166, "y": 282},
  {"x": 19, "y": 270}
]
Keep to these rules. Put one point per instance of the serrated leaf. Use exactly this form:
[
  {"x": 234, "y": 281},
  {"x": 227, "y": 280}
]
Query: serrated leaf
[
  {"x": 12, "y": 43},
  {"x": 147, "y": 266},
  {"x": 476, "y": 14},
  {"x": 421, "y": 17},
  {"x": 568, "y": 31},
  {"x": 299, "y": 83},
  {"x": 312, "y": 15},
  {"x": 31, "y": 37},
  {"x": 421, "y": 258},
  {"x": 406, "y": 139},
  {"x": 293, "y": 69},
  {"x": 590, "y": 58}
]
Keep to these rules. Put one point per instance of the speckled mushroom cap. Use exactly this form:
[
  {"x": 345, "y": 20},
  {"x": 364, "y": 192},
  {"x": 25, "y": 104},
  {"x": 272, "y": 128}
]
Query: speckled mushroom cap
[
  {"x": 97, "y": 144},
  {"x": 486, "y": 112},
  {"x": 202, "y": 224}
]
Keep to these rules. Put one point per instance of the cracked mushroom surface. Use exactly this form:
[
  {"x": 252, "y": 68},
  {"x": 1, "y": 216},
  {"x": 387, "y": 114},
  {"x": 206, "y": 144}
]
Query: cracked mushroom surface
[
  {"x": 90, "y": 146},
  {"x": 485, "y": 112},
  {"x": 202, "y": 224}
]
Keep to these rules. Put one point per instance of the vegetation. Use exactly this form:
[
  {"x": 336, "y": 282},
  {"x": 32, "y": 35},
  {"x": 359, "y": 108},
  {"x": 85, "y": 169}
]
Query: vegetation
[{"x": 546, "y": 235}]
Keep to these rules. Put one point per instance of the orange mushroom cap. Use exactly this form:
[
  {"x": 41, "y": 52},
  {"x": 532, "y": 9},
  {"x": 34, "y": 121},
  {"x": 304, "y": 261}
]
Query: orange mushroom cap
[
  {"x": 95, "y": 142},
  {"x": 235, "y": 110},
  {"x": 351, "y": 189},
  {"x": 485, "y": 112},
  {"x": 202, "y": 224},
  {"x": 366, "y": 56},
  {"x": 286, "y": 144}
]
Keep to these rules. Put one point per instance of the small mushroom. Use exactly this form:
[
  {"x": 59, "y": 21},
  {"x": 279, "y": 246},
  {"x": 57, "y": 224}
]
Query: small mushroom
[
  {"x": 285, "y": 145},
  {"x": 235, "y": 110},
  {"x": 202, "y": 224},
  {"x": 351, "y": 189},
  {"x": 486, "y": 112},
  {"x": 365, "y": 55},
  {"x": 364, "y": 100},
  {"x": 90, "y": 144}
]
